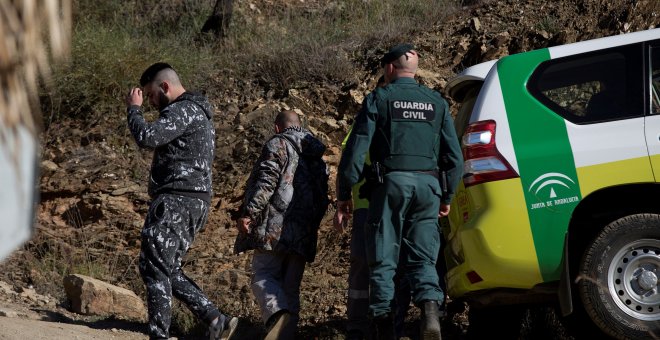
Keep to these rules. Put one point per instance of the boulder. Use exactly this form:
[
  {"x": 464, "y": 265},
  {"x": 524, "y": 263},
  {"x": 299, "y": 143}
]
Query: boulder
[{"x": 90, "y": 296}]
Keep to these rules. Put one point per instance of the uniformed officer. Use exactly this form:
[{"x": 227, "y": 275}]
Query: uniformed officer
[
  {"x": 357, "y": 305},
  {"x": 409, "y": 133}
]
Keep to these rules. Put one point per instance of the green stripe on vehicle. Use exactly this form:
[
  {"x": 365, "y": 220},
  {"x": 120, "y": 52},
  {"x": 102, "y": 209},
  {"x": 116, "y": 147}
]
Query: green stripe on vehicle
[{"x": 545, "y": 160}]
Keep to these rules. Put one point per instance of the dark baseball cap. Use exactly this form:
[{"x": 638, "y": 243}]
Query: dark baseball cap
[
  {"x": 395, "y": 52},
  {"x": 151, "y": 72}
]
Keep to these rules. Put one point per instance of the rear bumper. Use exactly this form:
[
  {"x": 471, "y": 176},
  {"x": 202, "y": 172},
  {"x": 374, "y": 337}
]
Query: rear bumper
[{"x": 490, "y": 235}]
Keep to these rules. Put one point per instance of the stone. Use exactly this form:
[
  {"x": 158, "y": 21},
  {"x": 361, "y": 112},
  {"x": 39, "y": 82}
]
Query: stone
[
  {"x": 48, "y": 165},
  {"x": 475, "y": 23},
  {"x": 6, "y": 288},
  {"x": 356, "y": 96},
  {"x": 501, "y": 39},
  {"x": 90, "y": 296},
  {"x": 28, "y": 294},
  {"x": 130, "y": 188},
  {"x": 8, "y": 313}
]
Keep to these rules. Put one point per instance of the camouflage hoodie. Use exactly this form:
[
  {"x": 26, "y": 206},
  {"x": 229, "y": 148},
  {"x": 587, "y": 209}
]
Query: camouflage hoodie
[
  {"x": 183, "y": 139},
  {"x": 279, "y": 203}
]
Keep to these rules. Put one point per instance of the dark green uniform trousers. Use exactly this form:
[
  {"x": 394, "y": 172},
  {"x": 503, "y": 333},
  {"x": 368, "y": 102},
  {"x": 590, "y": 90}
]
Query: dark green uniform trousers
[{"x": 403, "y": 219}]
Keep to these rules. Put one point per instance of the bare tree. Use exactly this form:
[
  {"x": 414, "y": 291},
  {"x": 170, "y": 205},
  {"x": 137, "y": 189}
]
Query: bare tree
[{"x": 218, "y": 22}]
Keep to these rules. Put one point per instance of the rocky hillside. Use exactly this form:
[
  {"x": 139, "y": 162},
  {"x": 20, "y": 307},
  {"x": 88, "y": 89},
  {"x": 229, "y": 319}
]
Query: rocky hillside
[{"x": 93, "y": 184}]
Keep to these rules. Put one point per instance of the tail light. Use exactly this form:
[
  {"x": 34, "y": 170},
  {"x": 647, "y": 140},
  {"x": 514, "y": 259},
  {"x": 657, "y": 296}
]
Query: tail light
[{"x": 483, "y": 163}]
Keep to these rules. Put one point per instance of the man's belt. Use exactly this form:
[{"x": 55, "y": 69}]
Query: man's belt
[{"x": 377, "y": 171}]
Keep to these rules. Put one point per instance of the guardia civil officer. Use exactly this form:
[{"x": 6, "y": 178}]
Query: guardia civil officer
[{"x": 408, "y": 131}]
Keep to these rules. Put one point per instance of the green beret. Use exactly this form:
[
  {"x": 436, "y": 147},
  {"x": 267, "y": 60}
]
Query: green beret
[
  {"x": 395, "y": 52},
  {"x": 151, "y": 72}
]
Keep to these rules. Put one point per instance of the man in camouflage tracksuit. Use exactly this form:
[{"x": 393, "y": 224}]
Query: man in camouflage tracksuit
[
  {"x": 280, "y": 218},
  {"x": 183, "y": 140}
]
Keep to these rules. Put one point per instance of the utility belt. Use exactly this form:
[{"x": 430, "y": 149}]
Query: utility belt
[{"x": 374, "y": 176}]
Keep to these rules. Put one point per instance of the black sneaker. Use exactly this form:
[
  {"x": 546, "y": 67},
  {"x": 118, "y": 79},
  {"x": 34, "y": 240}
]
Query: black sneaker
[{"x": 224, "y": 328}]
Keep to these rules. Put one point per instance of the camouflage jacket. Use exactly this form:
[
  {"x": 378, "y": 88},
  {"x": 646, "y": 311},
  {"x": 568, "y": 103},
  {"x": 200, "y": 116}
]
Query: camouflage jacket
[
  {"x": 279, "y": 199},
  {"x": 183, "y": 140}
]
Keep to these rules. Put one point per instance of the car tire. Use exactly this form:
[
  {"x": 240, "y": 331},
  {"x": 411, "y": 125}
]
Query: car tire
[{"x": 618, "y": 278}]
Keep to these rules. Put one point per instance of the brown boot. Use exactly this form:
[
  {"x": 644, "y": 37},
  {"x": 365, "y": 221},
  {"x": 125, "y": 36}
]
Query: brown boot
[
  {"x": 276, "y": 324},
  {"x": 430, "y": 322}
]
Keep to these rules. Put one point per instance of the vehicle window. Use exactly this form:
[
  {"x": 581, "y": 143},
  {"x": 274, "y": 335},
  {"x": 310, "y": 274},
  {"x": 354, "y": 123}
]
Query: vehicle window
[
  {"x": 655, "y": 80},
  {"x": 592, "y": 87},
  {"x": 465, "y": 109}
]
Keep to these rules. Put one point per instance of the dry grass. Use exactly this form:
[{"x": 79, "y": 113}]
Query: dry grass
[{"x": 283, "y": 46}]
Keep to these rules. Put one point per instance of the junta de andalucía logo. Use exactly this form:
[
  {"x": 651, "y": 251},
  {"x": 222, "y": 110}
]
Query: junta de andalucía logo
[{"x": 550, "y": 184}]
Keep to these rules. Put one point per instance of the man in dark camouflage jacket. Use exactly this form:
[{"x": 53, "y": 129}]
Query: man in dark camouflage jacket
[
  {"x": 183, "y": 140},
  {"x": 285, "y": 199}
]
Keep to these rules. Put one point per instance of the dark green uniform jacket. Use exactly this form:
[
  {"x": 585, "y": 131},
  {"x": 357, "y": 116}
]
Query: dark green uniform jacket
[{"x": 406, "y": 127}]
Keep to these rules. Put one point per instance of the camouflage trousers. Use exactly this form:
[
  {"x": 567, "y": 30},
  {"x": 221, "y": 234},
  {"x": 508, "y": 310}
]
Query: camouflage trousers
[
  {"x": 276, "y": 286},
  {"x": 169, "y": 230}
]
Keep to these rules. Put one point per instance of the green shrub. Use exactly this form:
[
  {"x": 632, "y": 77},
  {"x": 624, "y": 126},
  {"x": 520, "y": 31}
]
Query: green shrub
[{"x": 281, "y": 46}]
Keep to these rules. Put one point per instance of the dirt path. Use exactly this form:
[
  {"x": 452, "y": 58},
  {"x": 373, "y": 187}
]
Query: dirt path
[
  {"x": 32, "y": 316},
  {"x": 18, "y": 328}
]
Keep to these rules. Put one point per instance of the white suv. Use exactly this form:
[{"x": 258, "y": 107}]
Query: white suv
[{"x": 560, "y": 199}]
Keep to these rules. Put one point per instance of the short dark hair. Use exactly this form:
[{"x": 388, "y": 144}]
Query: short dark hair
[
  {"x": 395, "y": 52},
  {"x": 150, "y": 73}
]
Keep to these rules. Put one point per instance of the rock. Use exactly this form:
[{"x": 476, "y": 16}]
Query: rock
[
  {"x": 90, "y": 296},
  {"x": 119, "y": 204},
  {"x": 356, "y": 96},
  {"x": 28, "y": 294},
  {"x": 475, "y": 24},
  {"x": 8, "y": 313},
  {"x": 49, "y": 165},
  {"x": 126, "y": 190},
  {"x": 6, "y": 289},
  {"x": 501, "y": 39}
]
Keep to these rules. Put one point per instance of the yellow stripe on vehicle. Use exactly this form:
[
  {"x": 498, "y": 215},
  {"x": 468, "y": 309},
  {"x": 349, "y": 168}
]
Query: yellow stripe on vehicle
[
  {"x": 496, "y": 240},
  {"x": 594, "y": 177}
]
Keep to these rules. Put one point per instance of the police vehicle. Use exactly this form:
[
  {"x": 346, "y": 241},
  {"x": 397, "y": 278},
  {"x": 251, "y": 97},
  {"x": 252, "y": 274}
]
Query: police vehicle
[{"x": 560, "y": 198}]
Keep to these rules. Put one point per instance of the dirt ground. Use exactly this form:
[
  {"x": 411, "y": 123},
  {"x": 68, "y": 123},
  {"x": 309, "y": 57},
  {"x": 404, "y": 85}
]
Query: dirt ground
[
  {"x": 14, "y": 328},
  {"x": 93, "y": 184}
]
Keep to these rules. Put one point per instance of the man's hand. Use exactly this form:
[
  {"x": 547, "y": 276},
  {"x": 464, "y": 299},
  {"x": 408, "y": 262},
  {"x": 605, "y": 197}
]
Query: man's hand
[
  {"x": 444, "y": 210},
  {"x": 134, "y": 97},
  {"x": 342, "y": 215},
  {"x": 243, "y": 225}
]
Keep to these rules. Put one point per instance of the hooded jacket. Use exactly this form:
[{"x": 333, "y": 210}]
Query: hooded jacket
[
  {"x": 279, "y": 197},
  {"x": 183, "y": 140}
]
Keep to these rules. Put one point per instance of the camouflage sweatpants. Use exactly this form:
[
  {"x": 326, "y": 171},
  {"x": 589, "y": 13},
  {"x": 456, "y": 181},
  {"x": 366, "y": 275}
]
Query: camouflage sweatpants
[{"x": 169, "y": 230}]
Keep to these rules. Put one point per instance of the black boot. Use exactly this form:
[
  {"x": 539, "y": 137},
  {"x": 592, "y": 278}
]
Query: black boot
[
  {"x": 430, "y": 322},
  {"x": 355, "y": 334},
  {"x": 382, "y": 328}
]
